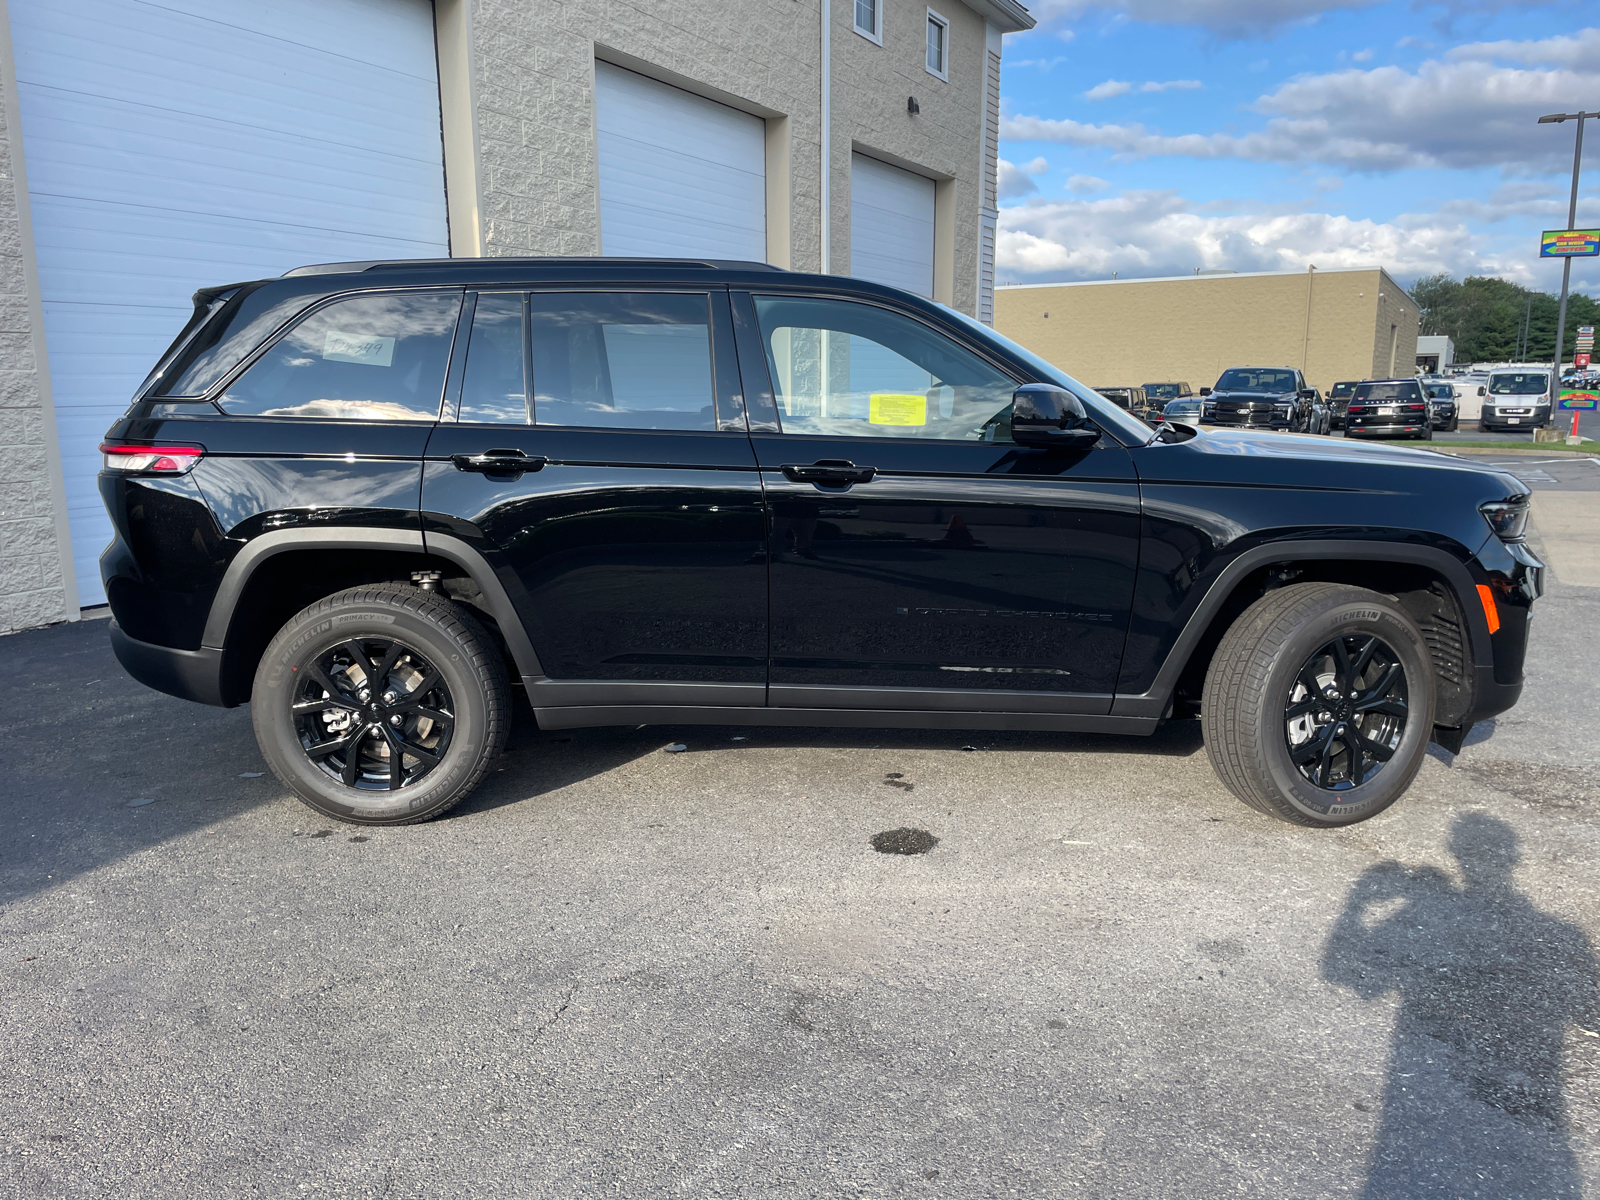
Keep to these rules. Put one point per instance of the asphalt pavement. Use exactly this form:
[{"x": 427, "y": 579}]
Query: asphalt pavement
[{"x": 625, "y": 971}]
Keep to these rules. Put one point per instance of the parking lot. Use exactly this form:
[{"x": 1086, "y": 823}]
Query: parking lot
[{"x": 622, "y": 970}]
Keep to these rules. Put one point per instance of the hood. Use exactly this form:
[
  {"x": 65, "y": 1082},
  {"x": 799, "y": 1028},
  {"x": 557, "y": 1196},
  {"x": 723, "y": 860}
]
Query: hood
[
  {"x": 1272, "y": 397},
  {"x": 1306, "y": 460}
]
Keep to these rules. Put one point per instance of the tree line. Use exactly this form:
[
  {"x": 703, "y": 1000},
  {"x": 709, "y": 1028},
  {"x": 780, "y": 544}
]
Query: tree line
[{"x": 1495, "y": 320}]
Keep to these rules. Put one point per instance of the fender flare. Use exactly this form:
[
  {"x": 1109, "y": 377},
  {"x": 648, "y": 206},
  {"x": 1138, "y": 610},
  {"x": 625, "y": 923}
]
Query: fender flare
[
  {"x": 1155, "y": 701},
  {"x": 219, "y": 624}
]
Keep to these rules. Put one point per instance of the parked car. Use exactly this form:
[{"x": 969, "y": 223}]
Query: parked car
[
  {"x": 1338, "y": 398},
  {"x": 1261, "y": 398},
  {"x": 1517, "y": 400},
  {"x": 1389, "y": 408},
  {"x": 1182, "y": 412},
  {"x": 1442, "y": 410},
  {"x": 1161, "y": 393},
  {"x": 1135, "y": 400},
  {"x": 368, "y": 498},
  {"x": 1320, "y": 420}
]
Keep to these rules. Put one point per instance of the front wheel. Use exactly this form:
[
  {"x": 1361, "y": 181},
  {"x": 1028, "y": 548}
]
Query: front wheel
[
  {"x": 381, "y": 705},
  {"x": 1318, "y": 705}
]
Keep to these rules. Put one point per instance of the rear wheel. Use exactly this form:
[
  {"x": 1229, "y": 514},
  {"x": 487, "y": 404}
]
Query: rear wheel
[
  {"x": 1318, "y": 705},
  {"x": 381, "y": 705}
]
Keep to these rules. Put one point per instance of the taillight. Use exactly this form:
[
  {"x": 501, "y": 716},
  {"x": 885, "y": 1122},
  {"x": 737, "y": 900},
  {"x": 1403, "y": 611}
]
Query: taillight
[
  {"x": 1416, "y": 408},
  {"x": 154, "y": 460}
]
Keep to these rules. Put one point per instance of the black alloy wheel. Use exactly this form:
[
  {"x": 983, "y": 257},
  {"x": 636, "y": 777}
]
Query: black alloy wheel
[
  {"x": 374, "y": 714},
  {"x": 1347, "y": 713}
]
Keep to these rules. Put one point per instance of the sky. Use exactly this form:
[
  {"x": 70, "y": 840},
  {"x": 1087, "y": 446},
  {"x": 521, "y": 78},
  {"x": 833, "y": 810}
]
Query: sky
[{"x": 1145, "y": 138}]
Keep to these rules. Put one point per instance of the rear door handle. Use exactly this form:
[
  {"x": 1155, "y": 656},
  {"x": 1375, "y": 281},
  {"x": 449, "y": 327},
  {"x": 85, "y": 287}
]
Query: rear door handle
[
  {"x": 500, "y": 462},
  {"x": 832, "y": 471}
]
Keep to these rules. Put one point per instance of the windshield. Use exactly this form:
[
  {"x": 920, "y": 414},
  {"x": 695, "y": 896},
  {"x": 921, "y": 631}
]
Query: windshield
[
  {"x": 1162, "y": 391},
  {"x": 1251, "y": 379},
  {"x": 1341, "y": 390},
  {"x": 1132, "y": 430},
  {"x": 1520, "y": 384},
  {"x": 1442, "y": 392},
  {"x": 1182, "y": 406}
]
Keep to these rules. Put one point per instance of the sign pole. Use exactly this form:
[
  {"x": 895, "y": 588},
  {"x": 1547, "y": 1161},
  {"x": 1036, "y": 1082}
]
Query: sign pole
[{"x": 1566, "y": 267}]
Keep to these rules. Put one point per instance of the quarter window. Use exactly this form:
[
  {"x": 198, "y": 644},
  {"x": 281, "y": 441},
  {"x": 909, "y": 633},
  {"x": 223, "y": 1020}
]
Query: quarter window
[
  {"x": 494, "y": 387},
  {"x": 633, "y": 360},
  {"x": 369, "y": 358},
  {"x": 856, "y": 370},
  {"x": 938, "y": 45}
]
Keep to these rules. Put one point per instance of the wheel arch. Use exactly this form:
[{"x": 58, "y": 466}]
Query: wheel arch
[
  {"x": 275, "y": 575},
  {"x": 1435, "y": 587}
]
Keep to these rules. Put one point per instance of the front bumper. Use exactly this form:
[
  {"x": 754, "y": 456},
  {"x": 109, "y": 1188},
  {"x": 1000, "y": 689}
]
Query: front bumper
[
  {"x": 1521, "y": 416},
  {"x": 187, "y": 674}
]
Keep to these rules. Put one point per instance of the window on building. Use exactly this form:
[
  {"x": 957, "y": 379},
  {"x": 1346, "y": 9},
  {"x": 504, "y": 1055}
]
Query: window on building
[
  {"x": 869, "y": 19},
  {"x": 938, "y": 45}
]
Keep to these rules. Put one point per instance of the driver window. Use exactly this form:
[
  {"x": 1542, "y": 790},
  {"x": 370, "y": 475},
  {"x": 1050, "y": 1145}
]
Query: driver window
[{"x": 847, "y": 369}]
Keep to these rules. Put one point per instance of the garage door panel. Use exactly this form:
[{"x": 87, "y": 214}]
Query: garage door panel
[
  {"x": 891, "y": 225},
  {"x": 189, "y": 143},
  {"x": 680, "y": 175}
]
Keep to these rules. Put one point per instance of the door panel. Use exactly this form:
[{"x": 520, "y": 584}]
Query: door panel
[
  {"x": 980, "y": 567},
  {"x": 632, "y": 554}
]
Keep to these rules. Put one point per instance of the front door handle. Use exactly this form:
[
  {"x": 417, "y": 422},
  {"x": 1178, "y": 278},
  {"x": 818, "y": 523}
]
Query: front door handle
[
  {"x": 834, "y": 472},
  {"x": 500, "y": 462}
]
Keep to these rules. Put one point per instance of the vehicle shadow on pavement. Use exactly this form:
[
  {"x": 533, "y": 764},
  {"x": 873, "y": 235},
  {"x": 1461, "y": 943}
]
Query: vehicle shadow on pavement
[
  {"x": 1488, "y": 985},
  {"x": 80, "y": 741}
]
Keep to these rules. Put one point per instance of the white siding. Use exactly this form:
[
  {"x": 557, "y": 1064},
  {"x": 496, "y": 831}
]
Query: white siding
[
  {"x": 197, "y": 142},
  {"x": 891, "y": 226},
  {"x": 680, "y": 176}
]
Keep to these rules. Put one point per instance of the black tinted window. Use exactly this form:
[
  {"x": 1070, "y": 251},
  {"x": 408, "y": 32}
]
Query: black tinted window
[
  {"x": 1387, "y": 391},
  {"x": 368, "y": 358},
  {"x": 494, "y": 387},
  {"x": 1341, "y": 390},
  {"x": 632, "y": 360}
]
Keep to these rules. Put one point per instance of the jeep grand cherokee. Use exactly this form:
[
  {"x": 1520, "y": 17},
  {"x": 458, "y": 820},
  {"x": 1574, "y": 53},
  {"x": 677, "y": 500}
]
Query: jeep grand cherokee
[{"x": 373, "y": 499}]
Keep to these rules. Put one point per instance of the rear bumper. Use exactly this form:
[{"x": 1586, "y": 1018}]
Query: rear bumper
[
  {"x": 188, "y": 674},
  {"x": 1359, "y": 427}
]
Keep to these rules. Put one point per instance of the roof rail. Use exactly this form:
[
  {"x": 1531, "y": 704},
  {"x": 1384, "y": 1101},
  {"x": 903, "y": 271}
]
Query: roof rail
[{"x": 423, "y": 264}]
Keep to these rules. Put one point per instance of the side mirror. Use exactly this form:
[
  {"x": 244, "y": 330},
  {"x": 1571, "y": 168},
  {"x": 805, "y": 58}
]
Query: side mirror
[
  {"x": 1205, "y": 391},
  {"x": 1045, "y": 415},
  {"x": 1308, "y": 393},
  {"x": 1482, "y": 392}
]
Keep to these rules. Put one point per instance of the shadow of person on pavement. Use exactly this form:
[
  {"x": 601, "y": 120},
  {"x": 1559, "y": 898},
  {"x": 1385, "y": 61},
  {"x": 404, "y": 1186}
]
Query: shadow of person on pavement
[{"x": 1489, "y": 987}]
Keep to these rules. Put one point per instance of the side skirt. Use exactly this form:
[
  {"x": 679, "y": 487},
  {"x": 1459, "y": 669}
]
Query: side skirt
[{"x": 579, "y": 717}]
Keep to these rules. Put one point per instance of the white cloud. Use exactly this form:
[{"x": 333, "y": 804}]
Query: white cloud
[
  {"x": 1366, "y": 56},
  {"x": 1080, "y": 184},
  {"x": 1581, "y": 50},
  {"x": 1015, "y": 181},
  {"x": 1172, "y": 85},
  {"x": 1108, "y": 89},
  {"x": 1159, "y": 233},
  {"x": 1236, "y": 18},
  {"x": 1456, "y": 114}
]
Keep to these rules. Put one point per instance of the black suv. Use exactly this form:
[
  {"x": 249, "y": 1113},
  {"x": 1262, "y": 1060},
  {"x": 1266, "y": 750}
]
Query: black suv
[
  {"x": 1389, "y": 408},
  {"x": 374, "y": 498},
  {"x": 1262, "y": 398},
  {"x": 1339, "y": 400}
]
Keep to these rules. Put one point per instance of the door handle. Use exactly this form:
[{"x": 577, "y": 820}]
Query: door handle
[
  {"x": 832, "y": 471},
  {"x": 500, "y": 462}
]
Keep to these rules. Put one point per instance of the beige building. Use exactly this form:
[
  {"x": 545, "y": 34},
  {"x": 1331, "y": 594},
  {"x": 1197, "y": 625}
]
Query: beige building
[
  {"x": 1333, "y": 325},
  {"x": 149, "y": 150}
]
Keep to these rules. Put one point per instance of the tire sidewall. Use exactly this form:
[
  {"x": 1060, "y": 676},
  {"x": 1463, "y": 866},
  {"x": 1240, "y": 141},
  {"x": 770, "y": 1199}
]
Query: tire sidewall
[
  {"x": 306, "y": 638},
  {"x": 1352, "y": 615}
]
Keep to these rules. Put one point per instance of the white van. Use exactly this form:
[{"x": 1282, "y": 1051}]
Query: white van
[
  {"x": 1517, "y": 400},
  {"x": 1470, "y": 390}
]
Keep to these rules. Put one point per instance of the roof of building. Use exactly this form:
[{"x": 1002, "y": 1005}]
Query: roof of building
[
  {"x": 1208, "y": 278},
  {"x": 1007, "y": 15}
]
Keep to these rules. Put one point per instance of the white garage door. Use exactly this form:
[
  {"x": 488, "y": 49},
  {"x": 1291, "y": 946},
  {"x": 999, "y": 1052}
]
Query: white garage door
[
  {"x": 197, "y": 142},
  {"x": 680, "y": 176},
  {"x": 891, "y": 226}
]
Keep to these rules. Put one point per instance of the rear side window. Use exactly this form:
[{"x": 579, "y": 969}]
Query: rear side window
[
  {"x": 622, "y": 360},
  {"x": 376, "y": 357},
  {"x": 494, "y": 387}
]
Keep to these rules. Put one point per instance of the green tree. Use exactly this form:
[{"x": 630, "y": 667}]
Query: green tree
[{"x": 1483, "y": 315}]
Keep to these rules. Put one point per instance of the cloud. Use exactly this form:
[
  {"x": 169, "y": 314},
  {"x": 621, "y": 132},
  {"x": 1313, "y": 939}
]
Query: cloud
[
  {"x": 1366, "y": 56},
  {"x": 1158, "y": 233},
  {"x": 1241, "y": 18},
  {"x": 1455, "y": 114},
  {"x": 1581, "y": 50},
  {"x": 1116, "y": 87},
  {"x": 1080, "y": 184},
  {"x": 1511, "y": 200},
  {"x": 1108, "y": 89},
  {"x": 1015, "y": 181}
]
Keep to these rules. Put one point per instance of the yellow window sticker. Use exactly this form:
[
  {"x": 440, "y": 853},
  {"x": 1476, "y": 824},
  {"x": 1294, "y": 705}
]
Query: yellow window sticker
[{"x": 897, "y": 408}]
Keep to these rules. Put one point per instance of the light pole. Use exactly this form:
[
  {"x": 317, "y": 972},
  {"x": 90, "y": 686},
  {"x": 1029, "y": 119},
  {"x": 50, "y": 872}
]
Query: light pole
[{"x": 1572, "y": 223}]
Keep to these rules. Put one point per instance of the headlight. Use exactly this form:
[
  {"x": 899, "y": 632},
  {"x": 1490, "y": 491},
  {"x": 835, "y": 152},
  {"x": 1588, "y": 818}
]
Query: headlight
[{"x": 1508, "y": 518}]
